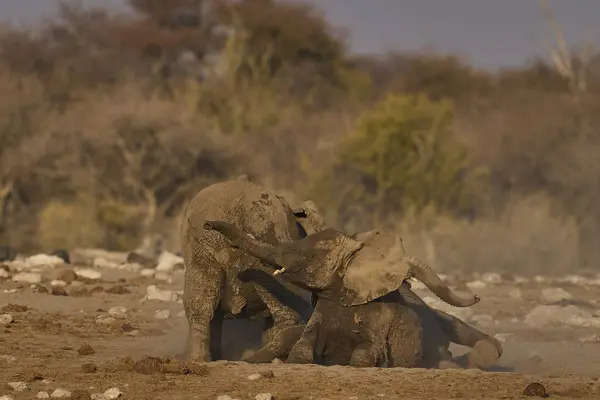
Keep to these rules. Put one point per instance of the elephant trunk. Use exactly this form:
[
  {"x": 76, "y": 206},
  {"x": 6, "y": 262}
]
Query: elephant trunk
[
  {"x": 425, "y": 274},
  {"x": 265, "y": 252}
]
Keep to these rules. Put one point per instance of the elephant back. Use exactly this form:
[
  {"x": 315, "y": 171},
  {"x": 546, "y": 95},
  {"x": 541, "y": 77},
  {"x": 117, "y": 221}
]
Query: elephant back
[{"x": 377, "y": 269}]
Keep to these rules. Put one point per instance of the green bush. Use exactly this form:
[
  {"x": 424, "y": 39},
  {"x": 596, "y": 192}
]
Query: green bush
[{"x": 402, "y": 155}]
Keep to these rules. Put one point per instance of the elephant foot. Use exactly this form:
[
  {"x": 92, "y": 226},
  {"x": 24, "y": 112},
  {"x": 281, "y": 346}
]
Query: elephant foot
[
  {"x": 485, "y": 354},
  {"x": 301, "y": 353},
  {"x": 261, "y": 356},
  {"x": 364, "y": 356}
]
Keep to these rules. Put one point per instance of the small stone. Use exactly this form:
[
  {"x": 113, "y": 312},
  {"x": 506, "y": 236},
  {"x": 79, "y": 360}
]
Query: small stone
[
  {"x": 88, "y": 273},
  {"x": 276, "y": 361},
  {"x": 118, "y": 311},
  {"x": 491, "y": 277},
  {"x": 153, "y": 293},
  {"x": 57, "y": 282},
  {"x": 100, "y": 262},
  {"x": 167, "y": 262},
  {"x": 59, "y": 291},
  {"x": 98, "y": 396},
  {"x": 476, "y": 284},
  {"x": 132, "y": 267},
  {"x": 162, "y": 314},
  {"x": 535, "y": 358},
  {"x": 264, "y": 396},
  {"x": 4, "y": 274},
  {"x": 127, "y": 328},
  {"x": 112, "y": 393},
  {"x": 6, "y": 397},
  {"x": 86, "y": 350},
  {"x": 80, "y": 394},
  {"x": 17, "y": 386},
  {"x": 38, "y": 289},
  {"x": 105, "y": 320},
  {"x": 118, "y": 289},
  {"x": 67, "y": 275},
  {"x": 6, "y": 319},
  {"x": 89, "y": 368},
  {"x": 535, "y": 389},
  {"x": 147, "y": 272},
  {"x": 555, "y": 295},
  {"x": 163, "y": 276},
  {"x": 254, "y": 377},
  {"x": 42, "y": 395},
  {"x": 27, "y": 277},
  {"x": 60, "y": 393},
  {"x": 225, "y": 397},
  {"x": 503, "y": 337}
]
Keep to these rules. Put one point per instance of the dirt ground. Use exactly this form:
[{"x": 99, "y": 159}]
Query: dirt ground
[{"x": 69, "y": 340}]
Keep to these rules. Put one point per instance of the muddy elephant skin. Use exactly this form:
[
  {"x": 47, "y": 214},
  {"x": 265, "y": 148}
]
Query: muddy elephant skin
[{"x": 212, "y": 289}]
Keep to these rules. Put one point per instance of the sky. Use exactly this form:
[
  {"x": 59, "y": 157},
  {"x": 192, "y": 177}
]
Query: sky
[{"x": 488, "y": 33}]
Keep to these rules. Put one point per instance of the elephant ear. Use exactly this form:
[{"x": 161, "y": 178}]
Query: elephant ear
[{"x": 377, "y": 269}]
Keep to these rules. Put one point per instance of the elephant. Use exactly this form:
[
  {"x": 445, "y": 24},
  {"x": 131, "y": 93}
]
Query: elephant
[
  {"x": 212, "y": 288},
  {"x": 359, "y": 308},
  {"x": 439, "y": 328}
]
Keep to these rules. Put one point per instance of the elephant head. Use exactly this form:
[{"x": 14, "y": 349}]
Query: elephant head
[
  {"x": 309, "y": 217},
  {"x": 335, "y": 266}
]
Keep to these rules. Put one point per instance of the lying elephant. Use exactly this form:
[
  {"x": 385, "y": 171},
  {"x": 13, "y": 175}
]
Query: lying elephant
[
  {"x": 439, "y": 328},
  {"x": 359, "y": 308},
  {"x": 212, "y": 290}
]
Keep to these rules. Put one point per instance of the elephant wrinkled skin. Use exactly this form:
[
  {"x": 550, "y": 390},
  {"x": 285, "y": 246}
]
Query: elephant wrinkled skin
[
  {"x": 212, "y": 288},
  {"x": 356, "y": 282},
  {"x": 439, "y": 328}
]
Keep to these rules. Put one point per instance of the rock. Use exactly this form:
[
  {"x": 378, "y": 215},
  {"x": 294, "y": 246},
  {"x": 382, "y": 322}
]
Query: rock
[
  {"x": 535, "y": 389},
  {"x": 133, "y": 267},
  {"x": 100, "y": 262},
  {"x": 535, "y": 358},
  {"x": 35, "y": 288},
  {"x": 4, "y": 274},
  {"x": 105, "y": 320},
  {"x": 167, "y": 262},
  {"x": 477, "y": 284},
  {"x": 147, "y": 272},
  {"x": 555, "y": 295},
  {"x": 88, "y": 273},
  {"x": 89, "y": 368},
  {"x": 43, "y": 261},
  {"x": 117, "y": 311},
  {"x": 6, "y": 319},
  {"x": 589, "y": 339},
  {"x": 17, "y": 386},
  {"x": 569, "y": 315},
  {"x": 254, "y": 377},
  {"x": 112, "y": 393},
  {"x": 540, "y": 279},
  {"x": 491, "y": 277},
  {"x": 141, "y": 259},
  {"x": 60, "y": 393},
  {"x": 86, "y": 350},
  {"x": 98, "y": 396},
  {"x": 516, "y": 294},
  {"x": 80, "y": 394},
  {"x": 59, "y": 291},
  {"x": 162, "y": 314},
  {"x": 163, "y": 276},
  {"x": 6, "y": 397},
  {"x": 118, "y": 289},
  {"x": 42, "y": 395},
  {"x": 225, "y": 397},
  {"x": 58, "y": 283},
  {"x": 62, "y": 254},
  {"x": 67, "y": 275},
  {"x": 28, "y": 277},
  {"x": 264, "y": 396},
  {"x": 153, "y": 293}
]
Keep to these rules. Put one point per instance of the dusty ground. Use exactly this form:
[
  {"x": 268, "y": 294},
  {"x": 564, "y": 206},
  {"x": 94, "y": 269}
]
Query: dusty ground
[{"x": 70, "y": 342}]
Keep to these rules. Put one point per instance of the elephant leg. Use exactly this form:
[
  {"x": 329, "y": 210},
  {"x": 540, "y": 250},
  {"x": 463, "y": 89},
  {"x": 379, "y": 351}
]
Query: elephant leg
[
  {"x": 405, "y": 339},
  {"x": 200, "y": 300},
  {"x": 285, "y": 327},
  {"x": 486, "y": 350},
  {"x": 216, "y": 330},
  {"x": 303, "y": 351},
  {"x": 278, "y": 347},
  {"x": 365, "y": 355}
]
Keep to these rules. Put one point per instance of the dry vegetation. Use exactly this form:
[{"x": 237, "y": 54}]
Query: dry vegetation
[{"x": 109, "y": 123}]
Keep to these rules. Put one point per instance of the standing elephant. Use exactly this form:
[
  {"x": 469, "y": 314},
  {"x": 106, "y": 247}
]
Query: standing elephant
[
  {"x": 212, "y": 289},
  {"x": 439, "y": 328},
  {"x": 359, "y": 308}
]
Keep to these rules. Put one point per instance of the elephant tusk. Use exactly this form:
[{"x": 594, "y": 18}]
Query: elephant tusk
[{"x": 279, "y": 271}]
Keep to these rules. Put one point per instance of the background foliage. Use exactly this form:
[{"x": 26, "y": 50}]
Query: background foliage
[{"x": 110, "y": 123}]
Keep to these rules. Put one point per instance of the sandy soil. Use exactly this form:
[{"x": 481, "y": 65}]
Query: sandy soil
[{"x": 70, "y": 342}]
